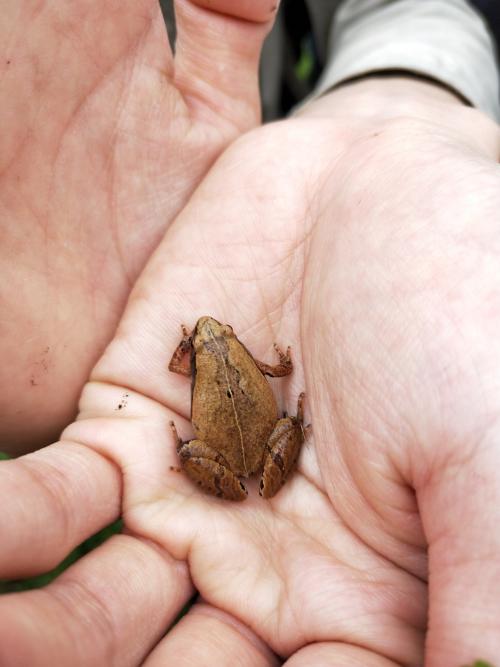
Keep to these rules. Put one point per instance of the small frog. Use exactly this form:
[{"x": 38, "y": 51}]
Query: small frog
[{"x": 234, "y": 414}]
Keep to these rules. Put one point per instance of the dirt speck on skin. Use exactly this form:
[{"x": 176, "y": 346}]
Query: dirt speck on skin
[
  {"x": 40, "y": 367},
  {"x": 123, "y": 403}
]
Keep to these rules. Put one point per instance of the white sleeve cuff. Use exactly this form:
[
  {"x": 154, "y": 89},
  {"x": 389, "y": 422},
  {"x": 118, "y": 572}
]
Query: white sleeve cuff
[{"x": 445, "y": 40}]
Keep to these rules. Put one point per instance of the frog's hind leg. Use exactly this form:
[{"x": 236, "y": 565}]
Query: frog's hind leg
[
  {"x": 210, "y": 470},
  {"x": 282, "y": 452}
]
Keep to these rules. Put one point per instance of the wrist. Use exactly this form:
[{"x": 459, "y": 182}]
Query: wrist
[{"x": 385, "y": 96}]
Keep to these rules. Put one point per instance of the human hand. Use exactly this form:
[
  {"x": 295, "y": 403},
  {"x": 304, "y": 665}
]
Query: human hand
[
  {"x": 105, "y": 135},
  {"x": 375, "y": 262}
]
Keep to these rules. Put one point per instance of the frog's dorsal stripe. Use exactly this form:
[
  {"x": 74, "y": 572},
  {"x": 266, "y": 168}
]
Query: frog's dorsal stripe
[{"x": 231, "y": 394}]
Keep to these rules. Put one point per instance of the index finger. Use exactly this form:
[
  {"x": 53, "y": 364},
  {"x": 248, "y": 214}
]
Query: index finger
[{"x": 51, "y": 501}]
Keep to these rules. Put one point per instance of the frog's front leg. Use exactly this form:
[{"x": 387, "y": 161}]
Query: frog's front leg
[
  {"x": 283, "y": 367},
  {"x": 282, "y": 452},
  {"x": 209, "y": 469},
  {"x": 180, "y": 362}
]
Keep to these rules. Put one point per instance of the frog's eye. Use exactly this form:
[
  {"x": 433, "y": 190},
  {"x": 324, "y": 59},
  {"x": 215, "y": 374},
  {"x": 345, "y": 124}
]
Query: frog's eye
[{"x": 227, "y": 330}]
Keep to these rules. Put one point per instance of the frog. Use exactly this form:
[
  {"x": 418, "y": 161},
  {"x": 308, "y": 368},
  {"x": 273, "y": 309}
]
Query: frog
[{"x": 234, "y": 414}]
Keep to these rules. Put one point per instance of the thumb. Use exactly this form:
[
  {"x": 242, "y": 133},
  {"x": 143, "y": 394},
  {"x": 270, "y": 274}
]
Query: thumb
[
  {"x": 460, "y": 510},
  {"x": 217, "y": 54}
]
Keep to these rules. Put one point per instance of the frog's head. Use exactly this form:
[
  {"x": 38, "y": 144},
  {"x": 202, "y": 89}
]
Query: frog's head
[{"x": 208, "y": 329}]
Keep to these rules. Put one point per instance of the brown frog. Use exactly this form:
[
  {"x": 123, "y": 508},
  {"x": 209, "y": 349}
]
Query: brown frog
[{"x": 234, "y": 414}]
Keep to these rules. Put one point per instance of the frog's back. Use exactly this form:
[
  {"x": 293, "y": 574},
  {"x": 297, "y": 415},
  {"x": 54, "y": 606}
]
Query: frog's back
[{"x": 233, "y": 406}]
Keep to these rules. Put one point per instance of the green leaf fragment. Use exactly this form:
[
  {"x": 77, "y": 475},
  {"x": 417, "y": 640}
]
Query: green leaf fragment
[{"x": 305, "y": 64}]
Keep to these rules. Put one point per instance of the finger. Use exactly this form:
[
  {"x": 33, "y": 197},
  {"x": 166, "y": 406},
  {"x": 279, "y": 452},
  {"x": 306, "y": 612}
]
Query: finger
[
  {"x": 340, "y": 655},
  {"x": 460, "y": 507},
  {"x": 217, "y": 55},
  {"x": 249, "y": 10},
  {"x": 51, "y": 501},
  {"x": 107, "y": 609},
  {"x": 210, "y": 636}
]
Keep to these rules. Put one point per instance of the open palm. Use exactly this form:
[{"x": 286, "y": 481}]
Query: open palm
[
  {"x": 105, "y": 134},
  {"x": 297, "y": 236}
]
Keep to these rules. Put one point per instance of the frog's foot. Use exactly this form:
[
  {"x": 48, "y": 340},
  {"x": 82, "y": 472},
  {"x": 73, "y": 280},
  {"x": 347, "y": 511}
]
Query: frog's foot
[
  {"x": 284, "y": 367},
  {"x": 180, "y": 361},
  {"x": 282, "y": 452},
  {"x": 210, "y": 470}
]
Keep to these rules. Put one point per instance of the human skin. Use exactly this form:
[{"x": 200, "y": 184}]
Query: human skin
[
  {"x": 364, "y": 233},
  {"x": 104, "y": 137}
]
